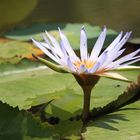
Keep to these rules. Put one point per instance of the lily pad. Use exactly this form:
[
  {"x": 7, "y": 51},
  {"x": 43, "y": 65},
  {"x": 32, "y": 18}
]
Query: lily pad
[
  {"x": 116, "y": 125},
  {"x": 71, "y": 30},
  {"x": 30, "y": 88},
  {"x": 19, "y": 125},
  {"x": 36, "y": 86},
  {"x": 14, "y": 51}
]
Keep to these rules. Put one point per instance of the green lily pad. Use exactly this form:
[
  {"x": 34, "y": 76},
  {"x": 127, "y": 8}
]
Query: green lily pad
[
  {"x": 30, "y": 88},
  {"x": 19, "y": 125},
  {"x": 14, "y": 51},
  {"x": 121, "y": 125},
  {"x": 27, "y": 85},
  {"x": 36, "y": 86},
  {"x": 71, "y": 103},
  {"x": 71, "y": 30}
]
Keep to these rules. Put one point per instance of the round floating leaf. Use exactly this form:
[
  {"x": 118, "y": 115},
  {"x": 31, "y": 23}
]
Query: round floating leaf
[
  {"x": 71, "y": 30},
  {"x": 116, "y": 125},
  {"x": 41, "y": 85},
  {"x": 14, "y": 51}
]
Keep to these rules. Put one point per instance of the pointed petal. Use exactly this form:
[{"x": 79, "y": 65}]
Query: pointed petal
[
  {"x": 127, "y": 57},
  {"x": 110, "y": 59},
  {"x": 127, "y": 68},
  {"x": 115, "y": 76},
  {"x": 83, "y": 44},
  {"x": 103, "y": 58},
  {"x": 131, "y": 62},
  {"x": 55, "y": 43},
  {"x": 70, "y": 65},
  {"x": 98, "y": 45},
  {"x": 115, "y": 42},
  {"x": 51, "y": 65},
  {"x": 54, "y": 49},
  {"x": 63, "y": 50},
  {"x": 46, "y": 40},
  {"x": 45, "y": 45},
  {"x": 115, "y": 52},
  {"x": 100, "y": 61},
  {"x": 46, "y": 51},
  {"x": 67, "y": 46},
  {"x": 120, "y": 44}
]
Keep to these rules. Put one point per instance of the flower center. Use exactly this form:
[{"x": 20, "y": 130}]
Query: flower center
[{"x": 88, "y": 64}]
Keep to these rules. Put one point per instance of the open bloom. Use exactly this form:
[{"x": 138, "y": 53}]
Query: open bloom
[{"x": 94, "y": 63}]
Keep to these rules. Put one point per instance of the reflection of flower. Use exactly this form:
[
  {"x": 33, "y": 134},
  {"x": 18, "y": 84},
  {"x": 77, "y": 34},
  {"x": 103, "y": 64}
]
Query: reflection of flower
[
  {"x": 95, "y": 63},
  {"x": 88, "y": 68}
]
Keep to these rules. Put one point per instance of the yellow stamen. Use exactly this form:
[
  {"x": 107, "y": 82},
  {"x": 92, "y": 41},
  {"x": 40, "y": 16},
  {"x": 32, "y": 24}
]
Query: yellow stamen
[{"x": 87, "y": 64}]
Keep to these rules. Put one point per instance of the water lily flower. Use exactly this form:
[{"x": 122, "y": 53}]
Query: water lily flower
[{"x": 89, "y": 67}]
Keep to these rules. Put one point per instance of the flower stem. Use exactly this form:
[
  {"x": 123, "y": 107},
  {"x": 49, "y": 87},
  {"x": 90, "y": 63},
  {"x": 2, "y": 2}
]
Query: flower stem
[
  {"x": 87, "y": 82},
  {"x": 86, "y": 104}
]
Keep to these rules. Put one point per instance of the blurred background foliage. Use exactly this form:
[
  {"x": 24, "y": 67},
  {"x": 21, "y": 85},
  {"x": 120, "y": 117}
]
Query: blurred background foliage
[{"x": 116, "y": 14}]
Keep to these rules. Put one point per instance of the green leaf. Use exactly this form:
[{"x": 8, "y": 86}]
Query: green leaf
[
  {"x": 69, "y": 129},
  {"x": 70, "y": 104},
  {"x": 23, "y": 66},
  {"x": 121, "y": 125},
  {"x": 130, "y": 95},
  {"x": 27, "y": 32},
  {"x": 27, "y": 87},
  {"x": 71, "y": 30},
  {"x": 14, "y": 51},
  {"x": 30, "y": 88},
  {"x": 19, "y": 125}
]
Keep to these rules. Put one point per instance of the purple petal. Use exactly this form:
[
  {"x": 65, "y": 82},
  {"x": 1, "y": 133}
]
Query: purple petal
[
  {"x": 115, "y": 42},
  {"x": 95, "y": 67},
  {"x": 70, "y": 65},
  {"x": 46, "y": 51},
  {"x": 83, "y": 44},
  {"x": 98, "y": 45},
  {"x": 127, "y": 57},
  {"x": 131, "y": 62},
  {"x": 55, "y": 44},
  {"x": 103, "y": 58},
  {"x": 82, "y": 69},
  {"x": 67, "y": 46}
]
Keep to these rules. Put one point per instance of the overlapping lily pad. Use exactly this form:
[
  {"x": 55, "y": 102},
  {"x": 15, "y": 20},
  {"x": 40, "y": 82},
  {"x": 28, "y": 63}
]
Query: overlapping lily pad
[
  {"x": 71, "y": 30},
  {"x": 27, "y": 89}
]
